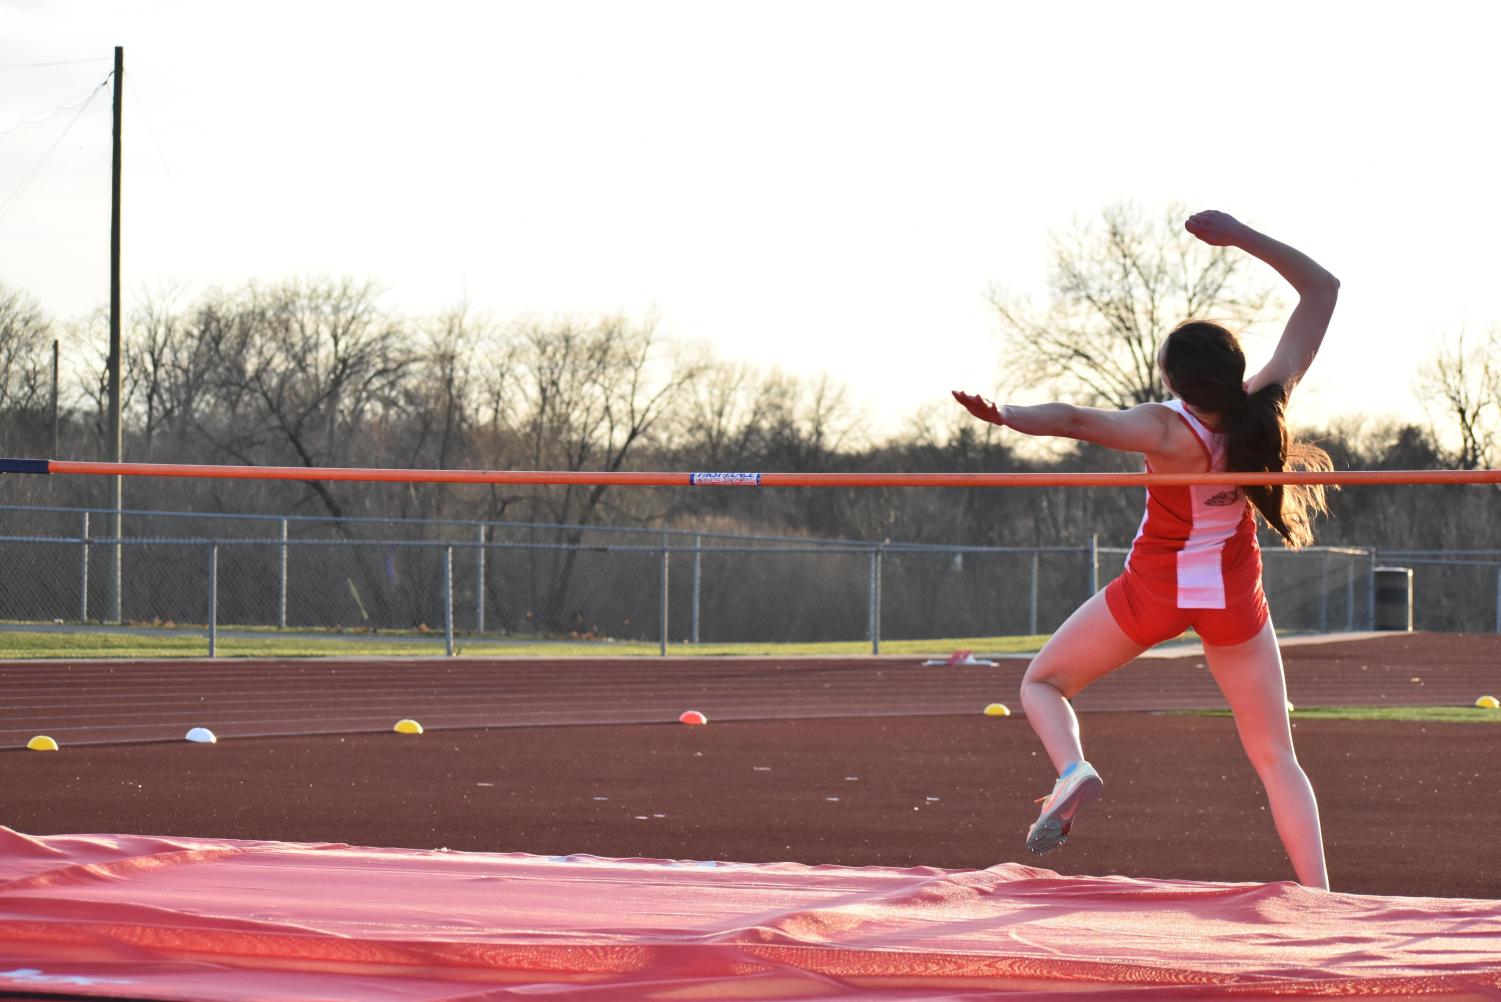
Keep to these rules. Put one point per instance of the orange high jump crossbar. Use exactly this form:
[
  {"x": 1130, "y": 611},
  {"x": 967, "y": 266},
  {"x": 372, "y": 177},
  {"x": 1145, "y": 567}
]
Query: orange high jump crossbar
[{"x": 632, "y": 479}]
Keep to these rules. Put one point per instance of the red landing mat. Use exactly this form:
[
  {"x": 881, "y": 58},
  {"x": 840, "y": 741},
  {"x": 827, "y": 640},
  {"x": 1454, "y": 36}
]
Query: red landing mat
[{"x": 131, "y": 917}]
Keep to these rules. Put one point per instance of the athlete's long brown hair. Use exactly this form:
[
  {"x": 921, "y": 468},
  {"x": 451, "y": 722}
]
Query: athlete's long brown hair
[{"x": 1207, "y": 369}]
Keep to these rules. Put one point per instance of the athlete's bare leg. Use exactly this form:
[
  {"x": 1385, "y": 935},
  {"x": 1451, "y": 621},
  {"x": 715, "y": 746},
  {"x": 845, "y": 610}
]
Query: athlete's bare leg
[
  {"x": 1250, "y": 676},
  {"x": 1089, "y": 645}
]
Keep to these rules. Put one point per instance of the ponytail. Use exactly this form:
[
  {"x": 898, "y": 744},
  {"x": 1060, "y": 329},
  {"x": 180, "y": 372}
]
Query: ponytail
[
  {"x": 1257, "y": 441},
  {"x": 1206, "y": 367}
]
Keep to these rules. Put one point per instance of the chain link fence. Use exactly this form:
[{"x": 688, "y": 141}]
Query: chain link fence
[
  {"x": 527, "y": 581},
  {"x": 1454, "y": 590}
]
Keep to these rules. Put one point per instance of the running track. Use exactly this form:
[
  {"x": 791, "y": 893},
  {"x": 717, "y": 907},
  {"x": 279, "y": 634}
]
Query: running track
[{"x": 110, "y": 702}]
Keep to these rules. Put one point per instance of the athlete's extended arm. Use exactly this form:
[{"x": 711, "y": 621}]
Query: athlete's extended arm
[
  {"x": 1317, "y": 292},
  {"x": 1146, "y": 428}
]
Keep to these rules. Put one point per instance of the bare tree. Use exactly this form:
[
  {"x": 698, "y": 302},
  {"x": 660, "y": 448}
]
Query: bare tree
[
  {"x": 442, "y": 387},
  {"x": 585, "y": 394},
  {"x": 807, "y": 424},
  {"x": 581, "y": 395},
  {"x": 1463, "y": 383},
  {"x": 306, "y": 371},
  {"x": 723, "y": 417},
  {"x": 24, "y": 358},
  {"x": 1116, "y": 289},
  {"x": 167, "y": 373}
]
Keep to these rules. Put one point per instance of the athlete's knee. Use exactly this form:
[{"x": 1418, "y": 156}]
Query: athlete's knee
[
  {"x": 1041, "y": 676},
  {"x": 1039, "y": 669},
  {"x": 1272, "y": 758}
]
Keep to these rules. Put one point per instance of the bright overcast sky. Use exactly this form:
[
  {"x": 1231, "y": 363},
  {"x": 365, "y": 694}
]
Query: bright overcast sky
[{"x": 816, "y": 186}]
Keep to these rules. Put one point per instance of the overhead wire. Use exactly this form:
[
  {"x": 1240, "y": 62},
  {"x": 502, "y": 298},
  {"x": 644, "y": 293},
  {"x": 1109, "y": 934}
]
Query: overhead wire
[
  {"x": 14, "y": 198},
  {"x": 38, "y": 117},
  {"x": 60, "y": 62},
  {"x": 132, "y": 95}
]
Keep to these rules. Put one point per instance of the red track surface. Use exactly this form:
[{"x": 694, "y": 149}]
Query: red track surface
[
  {"x": 1406, "y": 807},
  {"x": 114, "y": 701}
]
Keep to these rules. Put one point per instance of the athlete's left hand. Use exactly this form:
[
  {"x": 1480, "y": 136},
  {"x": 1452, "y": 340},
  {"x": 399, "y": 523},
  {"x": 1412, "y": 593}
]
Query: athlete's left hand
[{"x": 981, "y": 408}]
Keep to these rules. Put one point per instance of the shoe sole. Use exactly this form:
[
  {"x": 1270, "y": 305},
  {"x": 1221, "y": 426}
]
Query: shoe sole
[{"x": 1052, "y": 832}]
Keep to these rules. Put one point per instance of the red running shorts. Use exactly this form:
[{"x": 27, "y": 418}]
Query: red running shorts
[{"x": 1149, "y": 620}]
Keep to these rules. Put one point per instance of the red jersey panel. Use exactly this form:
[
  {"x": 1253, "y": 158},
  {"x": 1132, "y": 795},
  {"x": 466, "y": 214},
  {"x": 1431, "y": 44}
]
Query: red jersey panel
[{"x": 1196, "y": 547}]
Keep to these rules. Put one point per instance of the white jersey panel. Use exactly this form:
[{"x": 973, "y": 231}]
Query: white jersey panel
[{"x": 1216, "y": 513}]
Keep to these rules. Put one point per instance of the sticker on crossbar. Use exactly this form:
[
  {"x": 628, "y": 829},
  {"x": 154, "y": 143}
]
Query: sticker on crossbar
[
  {"x": 24, "y": 466},
  {"x": 726, "y": 479}
]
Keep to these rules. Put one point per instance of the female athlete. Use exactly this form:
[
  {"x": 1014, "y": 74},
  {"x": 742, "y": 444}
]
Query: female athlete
[{"x": 1195, "y": 561}]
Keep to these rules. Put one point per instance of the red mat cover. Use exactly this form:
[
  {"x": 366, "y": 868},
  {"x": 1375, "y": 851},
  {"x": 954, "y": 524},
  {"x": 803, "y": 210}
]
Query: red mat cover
[{"x": 133, "y": 917}]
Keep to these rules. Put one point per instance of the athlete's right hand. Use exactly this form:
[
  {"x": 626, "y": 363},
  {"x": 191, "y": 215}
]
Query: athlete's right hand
[{"x": 980, "y": 407}]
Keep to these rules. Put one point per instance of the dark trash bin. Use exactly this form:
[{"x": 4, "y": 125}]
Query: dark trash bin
[{"x": 1394, "y": 598}]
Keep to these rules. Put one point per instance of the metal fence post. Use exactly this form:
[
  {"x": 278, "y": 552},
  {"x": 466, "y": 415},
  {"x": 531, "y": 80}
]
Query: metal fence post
[
  {"x": 448, "y": 601},
  {"x": 1324, "y": 592},
  {"x": 1094, "y": 564},
  {"x": 662, "y": 602},
  {"x": 1032, "y": 607},
  {"x": 1498, "y": 599},
  {"x": 281, "y": 596},
  {"x": 83, "y": 571},
  {"x": 213, "y": 601},
  {"x": 698, "y": 572},
  {"x": 115, "y": 592},
  {"x": 873, "y": 625},
  {"x": 1349, "y": 595},
  {"x": 1370, "y": 592},
  {"x": 479, "y": 586}
]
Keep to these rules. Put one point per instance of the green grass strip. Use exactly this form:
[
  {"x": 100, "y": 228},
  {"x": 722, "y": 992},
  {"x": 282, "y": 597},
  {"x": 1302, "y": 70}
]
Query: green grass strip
[
  {"x": 21, "y": 645},
  {"x": 1420, "y": 714}
]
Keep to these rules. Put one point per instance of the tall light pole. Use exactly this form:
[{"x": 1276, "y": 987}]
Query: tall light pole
[{"x": 116, "y": 432}]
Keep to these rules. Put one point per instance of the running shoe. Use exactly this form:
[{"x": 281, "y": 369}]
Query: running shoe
[{"x": 1075, "y": 788}]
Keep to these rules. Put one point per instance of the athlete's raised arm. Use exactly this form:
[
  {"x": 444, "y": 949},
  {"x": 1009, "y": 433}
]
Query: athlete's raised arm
[
  {"x": 1317, "y": 291},
  {"x": 1145, "y": 428}
]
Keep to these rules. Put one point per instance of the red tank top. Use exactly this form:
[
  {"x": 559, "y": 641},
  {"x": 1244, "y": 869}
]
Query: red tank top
[{"x": 1196, "y": 548}]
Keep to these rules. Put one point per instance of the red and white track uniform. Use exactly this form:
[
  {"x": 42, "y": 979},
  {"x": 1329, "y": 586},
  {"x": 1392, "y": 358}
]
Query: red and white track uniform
[{"x": 1194, "y": 562}]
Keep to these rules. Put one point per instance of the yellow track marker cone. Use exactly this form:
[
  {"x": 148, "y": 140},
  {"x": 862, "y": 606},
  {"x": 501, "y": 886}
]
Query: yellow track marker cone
[
  {"x": 42, "y": 743},
  {"x": 998, "y": 710},
  {"x": 1488, "y": 703},
  {"x": 408, "y": 726}
]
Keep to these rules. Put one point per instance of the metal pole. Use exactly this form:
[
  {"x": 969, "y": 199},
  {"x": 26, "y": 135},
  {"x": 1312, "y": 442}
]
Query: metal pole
[
  {"x": 83, "y": 571},
  {"x": 115, "y": 444},
  {"x": 281, "y": 600},
  {"x": 114, "y": 582},
  {"x": 698, "y": 572},
  {"x": 448, "y": 601},
  {"x": 662, "y": 602},
  {"x": 479, "y": 586},
  {"x": 1370, "y": 594},
  {"x": 1324, "y": 592},
  {"x": 1498, "y": 599},
  {"x": 55, "y": 425},
  {"x": 1094, "y": 564},
  {"x": 873, "y": 626},
  {"x": 213, "y": 601},
  {"x": 1032, "y": 609},
  {"x": 1349, "y": 595}
]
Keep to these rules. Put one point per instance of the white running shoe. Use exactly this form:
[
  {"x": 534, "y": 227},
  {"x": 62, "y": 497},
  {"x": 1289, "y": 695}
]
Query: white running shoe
[{"x": 1050, "y": 831}]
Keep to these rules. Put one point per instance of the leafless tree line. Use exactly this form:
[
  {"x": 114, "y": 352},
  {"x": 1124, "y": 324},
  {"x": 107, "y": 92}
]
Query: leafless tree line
[{"x": 317, "y": 373}]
